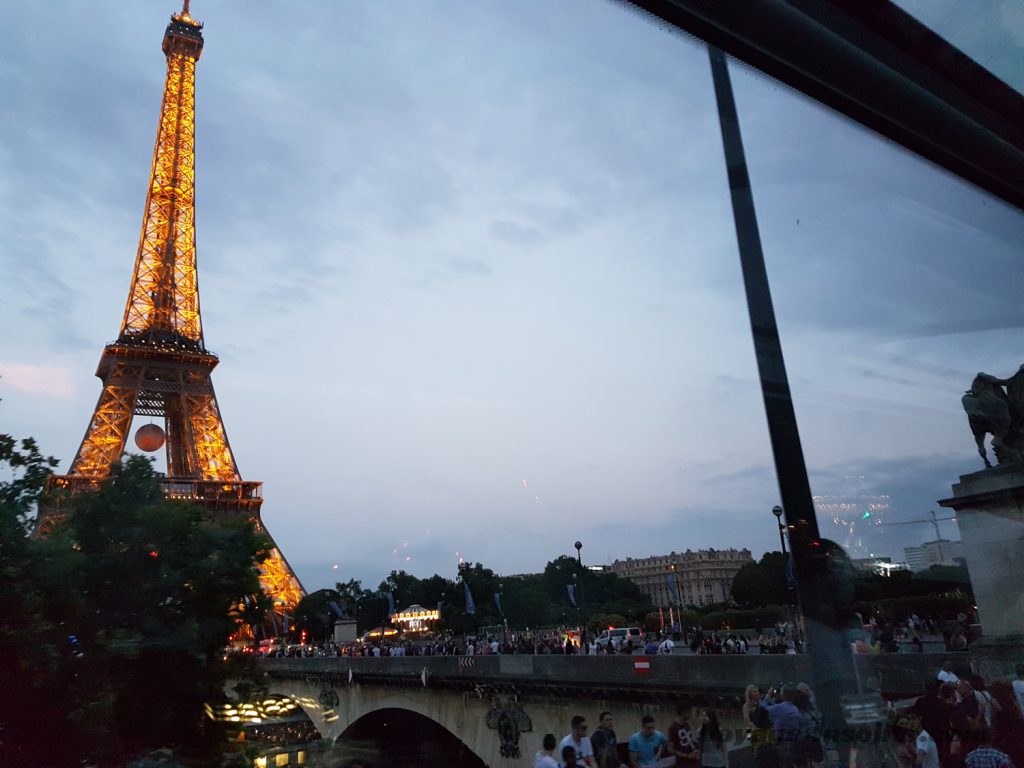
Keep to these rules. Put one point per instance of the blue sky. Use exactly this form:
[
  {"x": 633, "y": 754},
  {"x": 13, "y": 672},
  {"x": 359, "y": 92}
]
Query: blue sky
[{"x": 471, "y": 272}]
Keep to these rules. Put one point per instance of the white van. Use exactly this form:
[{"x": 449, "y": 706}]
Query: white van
[{"x": 617, "y": 636}]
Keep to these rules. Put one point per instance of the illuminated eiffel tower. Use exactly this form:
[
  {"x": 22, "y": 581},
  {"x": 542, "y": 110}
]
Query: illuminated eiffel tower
[{"x": 159, "y": 365}]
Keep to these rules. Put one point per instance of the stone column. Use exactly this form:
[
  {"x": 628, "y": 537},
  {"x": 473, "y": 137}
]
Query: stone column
[{"x": 990, "y": 511}]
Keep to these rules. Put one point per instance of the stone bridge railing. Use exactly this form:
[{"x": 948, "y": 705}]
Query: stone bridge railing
[{"x": 718, "y": 680}]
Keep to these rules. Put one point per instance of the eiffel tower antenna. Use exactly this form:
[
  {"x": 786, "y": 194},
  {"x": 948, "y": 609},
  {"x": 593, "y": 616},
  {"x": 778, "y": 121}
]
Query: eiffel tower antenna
[{"x": 159, "y": 366}]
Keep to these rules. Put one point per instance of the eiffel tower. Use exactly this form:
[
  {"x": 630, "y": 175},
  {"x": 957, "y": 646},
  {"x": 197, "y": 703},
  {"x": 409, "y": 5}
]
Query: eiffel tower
[{"x": 159, "y": 366}]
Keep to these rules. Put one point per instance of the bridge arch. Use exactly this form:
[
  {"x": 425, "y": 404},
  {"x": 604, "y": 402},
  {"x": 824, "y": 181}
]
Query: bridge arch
[
  {"x": 344, "y": 712},
  {"x": 392, "y": 734}
]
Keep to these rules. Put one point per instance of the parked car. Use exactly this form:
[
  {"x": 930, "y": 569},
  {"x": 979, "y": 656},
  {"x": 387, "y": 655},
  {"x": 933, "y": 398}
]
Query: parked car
[{"x": 617, "y": 636}]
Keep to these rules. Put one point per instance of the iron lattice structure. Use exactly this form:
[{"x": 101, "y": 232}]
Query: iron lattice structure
[{"x": 159, "y": 366}]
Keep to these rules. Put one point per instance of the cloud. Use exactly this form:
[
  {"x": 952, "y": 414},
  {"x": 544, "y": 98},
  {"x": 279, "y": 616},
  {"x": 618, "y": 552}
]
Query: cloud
[
  {"x": 473, "y": 267},
  {"x": 50, "y": 380},
  {"x": 517, "y": 234}
]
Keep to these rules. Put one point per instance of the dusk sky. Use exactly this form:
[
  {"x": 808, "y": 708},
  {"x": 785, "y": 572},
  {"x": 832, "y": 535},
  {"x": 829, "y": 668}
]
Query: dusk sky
[{"x": 471, "y": 272}]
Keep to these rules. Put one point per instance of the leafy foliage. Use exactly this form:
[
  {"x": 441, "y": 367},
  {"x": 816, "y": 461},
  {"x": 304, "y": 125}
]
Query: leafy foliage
[
  {"x": 527, "y": 601},
  {"x": 761, "y": 583},
  {"x": 115, "y": 623}
]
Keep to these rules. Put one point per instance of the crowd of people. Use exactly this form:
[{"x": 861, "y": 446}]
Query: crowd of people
[
  {"x": 964, "y": 722},
  {"x": 702, "y": 744},
  {"x": 957, "y": 723},
  {"x": 907, "y": 636},
  {"x": 779, "y": 639}
]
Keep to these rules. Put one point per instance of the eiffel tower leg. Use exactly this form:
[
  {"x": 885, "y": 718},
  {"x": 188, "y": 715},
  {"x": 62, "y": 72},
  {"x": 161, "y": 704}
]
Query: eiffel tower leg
[
  {"x": 215, "y": 461},
  {"x": 105, "y": 438},
  {"x": 277, "y": 577},
  {"x": 209, "y": 440}
]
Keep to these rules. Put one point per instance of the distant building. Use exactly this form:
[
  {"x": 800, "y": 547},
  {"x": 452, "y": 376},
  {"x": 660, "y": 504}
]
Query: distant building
[
  {"x": 939, "y": 552},
  {"x": 686, "y": 578},
  {"x": 883, "y": 566}
]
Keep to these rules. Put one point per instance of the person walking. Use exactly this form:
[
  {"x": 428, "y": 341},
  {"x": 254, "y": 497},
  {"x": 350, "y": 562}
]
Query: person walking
[
  {"x": 604, "y": 743},
  {"x": 647, "y": 745}
]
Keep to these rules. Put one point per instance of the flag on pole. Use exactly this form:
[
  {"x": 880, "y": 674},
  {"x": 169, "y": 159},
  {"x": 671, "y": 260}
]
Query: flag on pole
[
  {"x": 671, "y": 618},
  {"x": 571, "y": 589},
  {"x": 470, "y": 604},
  {"x": 391, "y": 603},
  {"x": 661, "y": 619},
  {"x": 497, "y": 602},
  {"x": 670, "y": 581}
]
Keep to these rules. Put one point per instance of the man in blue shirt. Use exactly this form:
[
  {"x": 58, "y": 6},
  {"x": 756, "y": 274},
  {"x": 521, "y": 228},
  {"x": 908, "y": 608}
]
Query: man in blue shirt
[
  {"x": 786, "y": 722},
  {"x": 647, "y": 745}
]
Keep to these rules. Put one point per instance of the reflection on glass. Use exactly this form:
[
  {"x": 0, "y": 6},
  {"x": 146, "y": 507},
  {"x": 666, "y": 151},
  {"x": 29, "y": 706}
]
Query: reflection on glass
[{"x": 989, "y": 31}]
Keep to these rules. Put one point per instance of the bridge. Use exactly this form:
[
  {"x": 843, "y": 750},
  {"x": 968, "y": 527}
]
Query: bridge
[{"x": 500, "y": 707}]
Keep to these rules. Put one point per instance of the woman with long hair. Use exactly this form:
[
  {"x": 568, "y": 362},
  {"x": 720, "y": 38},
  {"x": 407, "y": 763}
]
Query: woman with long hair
[{"x": 713, "y": 752}]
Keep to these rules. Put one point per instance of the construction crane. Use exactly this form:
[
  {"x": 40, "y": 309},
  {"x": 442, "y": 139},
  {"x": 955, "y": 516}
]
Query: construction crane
[{"x": 933, "y": 521}]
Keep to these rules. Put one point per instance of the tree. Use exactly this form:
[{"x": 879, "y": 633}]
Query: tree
[
  {"x": 32, "y": 645},
  {"x": 315, "y": 616},
  {"x": 405, "y": 588},
  {"x": 352, "y": 598},
  {"x": 762, "y": 583},
  {"x": 134, "y": 595}
]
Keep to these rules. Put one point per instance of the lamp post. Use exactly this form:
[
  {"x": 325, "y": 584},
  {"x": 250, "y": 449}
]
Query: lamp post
[
  {"x": 679, "y": 604},
  {"x": 579, "y": 595},
  {"x": 504, "y": 621},
  {"x": 777, "y": 511},
  {"x": 790, "y": 587}
]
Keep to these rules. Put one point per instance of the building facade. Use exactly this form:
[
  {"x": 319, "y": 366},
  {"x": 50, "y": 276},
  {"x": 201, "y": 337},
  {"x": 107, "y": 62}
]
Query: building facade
[
  {"x": 939, "y": 552},
  {"x": 685, "y": 578}
]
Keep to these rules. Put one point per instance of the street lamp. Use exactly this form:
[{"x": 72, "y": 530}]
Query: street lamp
[
  {"x": 790, "y": 587},
  {"x": 501, "y": 608},
  {"x": 777, "y": 511},
  {"x": 679, "y": 603},
  {"x": 579, "y": 596}
]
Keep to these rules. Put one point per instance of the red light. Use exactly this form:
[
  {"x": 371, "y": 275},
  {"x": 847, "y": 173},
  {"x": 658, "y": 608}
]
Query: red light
[
  {"x": 154, "y": 553},
  {"x": 815, "y": 543}
]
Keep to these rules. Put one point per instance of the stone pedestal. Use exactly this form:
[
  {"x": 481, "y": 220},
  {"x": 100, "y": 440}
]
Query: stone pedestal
[{"x": 989, "y": 507}]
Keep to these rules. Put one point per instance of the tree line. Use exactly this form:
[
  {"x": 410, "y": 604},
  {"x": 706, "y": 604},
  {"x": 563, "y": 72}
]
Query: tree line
[
  {"x": 759, "y": 596},
  {"x": 563, "y": 594}
]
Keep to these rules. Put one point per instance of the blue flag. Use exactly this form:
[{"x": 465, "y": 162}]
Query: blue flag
[
  {"x": 391, "y": 603},
  {"x": 497, "y": 602},
  {"x": 571, "y": 589},
  {"x": 470, "y": 605},
  {"x": 670, "y": 581}
]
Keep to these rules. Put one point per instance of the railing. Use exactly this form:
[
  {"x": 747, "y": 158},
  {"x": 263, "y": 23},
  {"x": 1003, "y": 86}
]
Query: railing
[
  {"x": 723, "y": 678},
  {"x": 173, "y": 488},
  {"x": 211, "y": 490}
]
